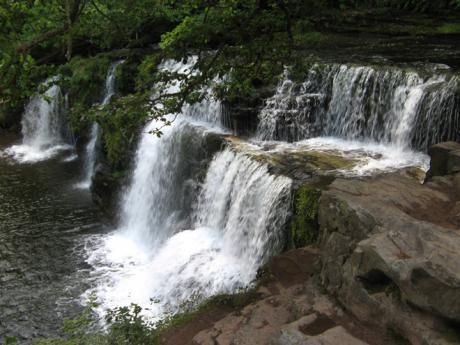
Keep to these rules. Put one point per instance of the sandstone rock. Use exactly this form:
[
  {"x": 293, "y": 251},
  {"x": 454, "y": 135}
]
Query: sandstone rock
[
  {"x": 422, "y": 261},
  {"x": 315, "y": 330},
  {"x": 255, "y": 325},
  {"x": 387, "y": 240}
]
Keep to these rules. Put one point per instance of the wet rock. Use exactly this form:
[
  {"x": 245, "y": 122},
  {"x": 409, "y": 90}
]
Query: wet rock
[
  {"x": 445, "y": 159},
  {"x": 299, "y": 164},
  {"x": 291, "y": 310},
  {"x": 241, "y": 112},
  {"x": 105, "y": 187}
]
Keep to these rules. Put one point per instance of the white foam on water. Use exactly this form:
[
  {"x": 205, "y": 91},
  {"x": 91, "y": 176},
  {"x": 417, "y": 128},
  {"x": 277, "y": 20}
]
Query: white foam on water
[
  {"x": 191, "y": 264},
  {"x": 24, "y": 153}
]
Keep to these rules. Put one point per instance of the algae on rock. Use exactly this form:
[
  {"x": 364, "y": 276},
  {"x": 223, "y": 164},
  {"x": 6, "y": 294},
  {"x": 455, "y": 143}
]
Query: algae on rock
[{"x": 304, "y": 223}]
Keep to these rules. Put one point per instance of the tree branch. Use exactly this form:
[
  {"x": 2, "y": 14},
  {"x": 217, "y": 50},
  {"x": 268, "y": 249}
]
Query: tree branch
[{"x": 25, "y": 47}]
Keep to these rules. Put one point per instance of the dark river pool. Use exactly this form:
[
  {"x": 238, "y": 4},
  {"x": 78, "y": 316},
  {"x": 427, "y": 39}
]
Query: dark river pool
[{"x": 44, "y": 221}]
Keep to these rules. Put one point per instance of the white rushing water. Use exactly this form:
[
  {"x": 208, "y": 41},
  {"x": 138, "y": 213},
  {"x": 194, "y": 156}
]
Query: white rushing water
[
  {"x": 389, "y": 115},
  {"x": 238, "y": 224},
  {"x": 91, "y": 146},
  {"x": 365, "y": 158},
  {"x": 44, "y": 132},
  {"x": 387, "y": 105},
  {"x": 179, "y": 240}
]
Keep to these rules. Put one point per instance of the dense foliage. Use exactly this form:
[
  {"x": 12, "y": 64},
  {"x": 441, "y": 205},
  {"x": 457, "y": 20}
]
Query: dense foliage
[{"x": 248, "y": 42}]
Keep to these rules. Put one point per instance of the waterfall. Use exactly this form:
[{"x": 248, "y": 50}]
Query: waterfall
[
  {"x": 407, "y": 109},
  {"x": 153, "y": 207},
  {"x": 44, "y": 131},
  {"x": 91, "y": 146},
  {"x": 248, "y": 206},
  {"x": 180, "y": 239},
  {"x": 156, "y": 203},
  {"x": 238, "y": 222}
]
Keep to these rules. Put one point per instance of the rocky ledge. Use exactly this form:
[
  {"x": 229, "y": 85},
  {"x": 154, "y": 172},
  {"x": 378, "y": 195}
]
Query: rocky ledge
[
  {"x": 384, "y": 268},
  {"x": 390, "y": 249}
]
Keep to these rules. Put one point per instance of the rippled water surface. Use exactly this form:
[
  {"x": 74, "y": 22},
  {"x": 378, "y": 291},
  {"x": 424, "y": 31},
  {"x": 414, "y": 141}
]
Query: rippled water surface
[{"x": 43, "y": 221}]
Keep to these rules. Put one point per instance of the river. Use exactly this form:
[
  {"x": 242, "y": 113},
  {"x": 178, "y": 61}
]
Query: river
[{"x": 43, "y": 223}]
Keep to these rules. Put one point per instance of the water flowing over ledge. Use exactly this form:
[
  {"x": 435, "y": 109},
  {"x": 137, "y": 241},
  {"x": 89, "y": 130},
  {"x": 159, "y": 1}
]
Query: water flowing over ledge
[
  {"x": 408, "y": 109},
  {"x": 44, "y": 129},
  {"x": 92, "y": 145},
  {"x": 331, "y": 156},
  {"x": 191, "y": 226},
  {"x": 238, "y": 222}
]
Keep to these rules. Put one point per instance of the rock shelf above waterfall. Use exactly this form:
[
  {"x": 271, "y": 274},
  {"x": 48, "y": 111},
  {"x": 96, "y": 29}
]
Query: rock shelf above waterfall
[{"x": 328, "y": 157}]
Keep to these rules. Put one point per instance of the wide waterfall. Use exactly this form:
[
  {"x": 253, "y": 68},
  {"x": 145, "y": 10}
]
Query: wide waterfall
[
  {"x": 91, "y": 147},
  {"x": 44, "y": 131},
  {"x": 404, "y": 108}
]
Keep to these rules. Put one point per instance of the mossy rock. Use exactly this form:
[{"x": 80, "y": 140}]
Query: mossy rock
[
  {"x": 304, "y": 223},
  {"x": 319, "y": 160},
  {"x": 83, "y": 80}
]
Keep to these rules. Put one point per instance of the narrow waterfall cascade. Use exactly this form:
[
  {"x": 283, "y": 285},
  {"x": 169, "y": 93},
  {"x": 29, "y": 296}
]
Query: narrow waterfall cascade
[
  {"x": 157, "y": 202},
  {"x": 44, "y": 131},
  {"x": 402, "y": 108},
  {"x": 91, "y": 147},
  {"x": 247, "y": 204},
  {"x": 154, "y": 205}
]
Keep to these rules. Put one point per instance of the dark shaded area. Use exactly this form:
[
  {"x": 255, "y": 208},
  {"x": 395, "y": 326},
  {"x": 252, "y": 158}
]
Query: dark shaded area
[{"x": 320, "y": 325}]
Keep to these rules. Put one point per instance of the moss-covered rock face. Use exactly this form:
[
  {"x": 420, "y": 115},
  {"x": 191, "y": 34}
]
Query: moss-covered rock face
[
  {"x": 304, "y": 223},
  {"x": 83, "y": 79}
]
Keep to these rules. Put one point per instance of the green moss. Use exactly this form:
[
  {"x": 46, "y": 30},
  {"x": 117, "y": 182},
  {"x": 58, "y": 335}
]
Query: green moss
[
  {"x": 449, "y": 28},
  {"x": 125, "y": 75},
  {"x": 83, "y": 79},
  {"x": 327, "y": 160},
  {"x": 304, "y": 224},
  {"x": 146, "y": 71},
  {"x": 120, "y": 121}
]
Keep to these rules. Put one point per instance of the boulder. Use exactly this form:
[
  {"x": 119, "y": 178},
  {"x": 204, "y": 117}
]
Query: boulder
[
  {"x": 389, "y": 244},
  {"x": 445, "y": 159},
  {"x": 420, "y": 261},
  {"x": 105, "y": 188}
]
